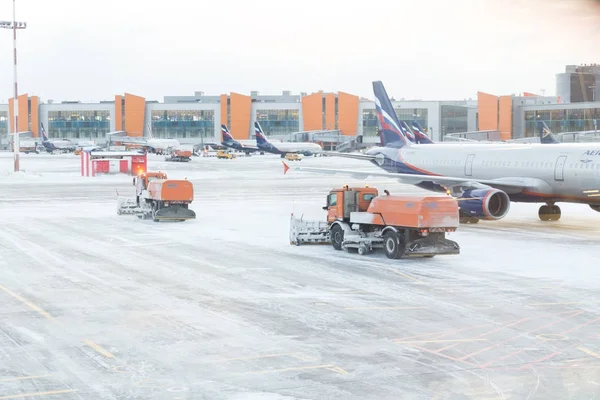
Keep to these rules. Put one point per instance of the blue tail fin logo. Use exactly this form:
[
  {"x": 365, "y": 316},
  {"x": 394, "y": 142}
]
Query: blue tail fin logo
[
  {"x": 261, "y": 139},
  {"x": 420, "y": 134},
  {"x": 389, "y": 126},
  {"x": 43, "y": 131},
  {"x": 226, "y": 135},
  {"x": 407, "y": 132},
  {"x": 546, "y": 135}
]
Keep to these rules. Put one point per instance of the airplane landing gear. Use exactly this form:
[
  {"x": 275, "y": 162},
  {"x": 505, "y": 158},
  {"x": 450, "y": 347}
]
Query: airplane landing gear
[{"x": 549, "y": 212}]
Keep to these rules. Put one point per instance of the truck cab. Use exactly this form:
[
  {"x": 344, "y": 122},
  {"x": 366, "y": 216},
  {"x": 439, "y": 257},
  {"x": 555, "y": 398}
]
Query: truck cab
[
  {"x": 341, "y": 202},
  {"x": 141, "y": 182}
]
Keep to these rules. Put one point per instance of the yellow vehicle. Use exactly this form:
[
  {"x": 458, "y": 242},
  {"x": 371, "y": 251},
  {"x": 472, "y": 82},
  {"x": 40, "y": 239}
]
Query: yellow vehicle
[
  {"x": 293, "y": 157},
  {"x": 224, "y": 154}
]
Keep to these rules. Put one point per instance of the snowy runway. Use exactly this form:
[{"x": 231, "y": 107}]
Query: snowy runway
[{"x": 101, "y": 306}]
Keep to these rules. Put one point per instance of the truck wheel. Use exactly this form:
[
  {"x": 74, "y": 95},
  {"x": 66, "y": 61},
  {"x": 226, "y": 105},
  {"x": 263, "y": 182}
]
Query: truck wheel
[
  {"x": 337, "y": 237},
  {"x": 392, "y": 246},
  {"x": 362, "y": 250}
]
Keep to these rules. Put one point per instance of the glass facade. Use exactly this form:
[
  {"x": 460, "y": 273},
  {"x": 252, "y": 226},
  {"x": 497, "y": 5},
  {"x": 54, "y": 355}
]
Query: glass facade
[
  {"x": 278, "y": 122},
  {"x": 78, "y": 124},
  {"x": 3, "y": 123},
  {"x": 183, "y": 123},
  {"x": 454, "y": 119},
  {"x": 404, "y": 114},
  {"x": 369, "y": 122},
  {"x": 562, "y": 120}
]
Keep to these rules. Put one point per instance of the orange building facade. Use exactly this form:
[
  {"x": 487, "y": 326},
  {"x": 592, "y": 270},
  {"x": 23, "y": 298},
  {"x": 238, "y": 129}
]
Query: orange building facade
[{"x": 198, "y": 118}]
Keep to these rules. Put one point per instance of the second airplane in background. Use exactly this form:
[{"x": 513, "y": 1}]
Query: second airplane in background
[
  {"x": 239, "y": 145},
  {"x": 283, "y": 148}
]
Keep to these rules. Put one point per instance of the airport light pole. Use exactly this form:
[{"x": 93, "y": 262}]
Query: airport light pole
[{"x": 14, "y": 25}]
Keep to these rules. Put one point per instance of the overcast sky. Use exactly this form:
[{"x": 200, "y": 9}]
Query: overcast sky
[{"x": 90, "y": 50}]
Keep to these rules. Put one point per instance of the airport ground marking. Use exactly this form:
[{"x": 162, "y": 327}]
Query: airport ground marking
[
  {"x": 302, "y": 357},
  {"x": 385, "y": 308},
  {"x": 514, "y": 353},
  {"x": 561, "y": 351},
  {"x": 441, "y": 341},
  {"x": 22, "y": 378},
  {"x": 406, "y": 276},
  {"x": 589, "y": 352},
  {"x": 551, "y": 336},
  {"x": 294, "y": 355},
  {"x": 330, "y": 367},
  {"x": 338, "y": 370},
  {"x": 573, "y": 314},
  {"x": 98, "y": 348},
  {"x": 27, "y": 303},
  {"x": 445, "y": 356},
  {"x": 581, "y": 326},
  {"x": 496, "y": 329},
  {"x": 436, "y": 335},
  {"x": 34, "y": 394}
]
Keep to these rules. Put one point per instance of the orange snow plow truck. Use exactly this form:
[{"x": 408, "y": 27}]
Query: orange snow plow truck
[
  {"x": 404, "y": 226},
  {"x": 159, "y": 198},
  {"x": 179, "y": 156}
]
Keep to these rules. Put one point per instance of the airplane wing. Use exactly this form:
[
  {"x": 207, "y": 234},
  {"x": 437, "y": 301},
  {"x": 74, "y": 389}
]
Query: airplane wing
[
  {"x": 356, "y": 156},
  {"x": 509, "y": 185}
]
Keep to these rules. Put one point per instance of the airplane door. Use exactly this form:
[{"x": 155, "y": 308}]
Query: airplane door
[
  {"x": 469, "y": 165},
  {"x": 559, "y": 169}
]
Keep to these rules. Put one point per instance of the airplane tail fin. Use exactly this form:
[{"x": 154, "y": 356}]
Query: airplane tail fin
[
  {"x": 43, "y": 132},
  {"x": 546, "y": 135},
  {"x": 261, "y": 138},
  {"x": 420, "y": 134},
  {"x": 389, "y": 126},
  {"x": 226, "y": 135},
  {"x": 407, "y": 132}
]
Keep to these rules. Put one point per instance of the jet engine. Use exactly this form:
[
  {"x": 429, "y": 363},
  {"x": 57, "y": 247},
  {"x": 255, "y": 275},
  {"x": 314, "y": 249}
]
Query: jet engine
[{"x": 489, "y": 204}]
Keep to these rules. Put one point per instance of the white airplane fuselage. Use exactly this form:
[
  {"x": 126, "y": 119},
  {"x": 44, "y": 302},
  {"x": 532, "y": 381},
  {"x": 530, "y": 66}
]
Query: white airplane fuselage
[
  {"x": 294, "y": 147},
  {"x": 551, "y": 172}
]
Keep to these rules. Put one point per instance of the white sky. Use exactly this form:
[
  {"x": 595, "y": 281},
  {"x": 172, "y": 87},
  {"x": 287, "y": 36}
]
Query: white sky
[{"x": 90, "y": 50}]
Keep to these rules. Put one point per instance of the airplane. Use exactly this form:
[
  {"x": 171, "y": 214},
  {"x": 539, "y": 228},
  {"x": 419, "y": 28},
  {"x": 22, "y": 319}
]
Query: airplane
[
  {"x": 484, "y": 178},
  {"x": 307, "y": 149},
  {"x": 546, "y": 135},
  {"x": 56, "y": 145},
  {"x": 417, "y": 132},
  {"x": 230, "y": 142},
  {"x": 160, "y": 146}
]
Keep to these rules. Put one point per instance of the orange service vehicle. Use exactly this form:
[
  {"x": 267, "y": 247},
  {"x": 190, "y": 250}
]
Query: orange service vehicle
[
  {"x": 179, "y": 156},
  {"x": 404, "y": 226},
  {"x": 159, "y": 198}
]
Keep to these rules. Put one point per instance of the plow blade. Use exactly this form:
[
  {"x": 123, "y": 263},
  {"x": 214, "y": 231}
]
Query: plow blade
[
  {"x": 431, "y": 247},
  {"x": 127, "y": 206},
  {"x": 308, "y": 232},
  {"x": 173, "y": 214}
]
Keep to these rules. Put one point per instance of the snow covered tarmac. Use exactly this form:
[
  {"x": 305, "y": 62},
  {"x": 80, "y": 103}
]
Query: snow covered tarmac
[{"x": 101, "y": 306}]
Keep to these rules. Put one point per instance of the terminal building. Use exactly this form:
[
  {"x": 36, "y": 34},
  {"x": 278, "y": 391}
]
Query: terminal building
[{"x": 197, "y": 118}]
